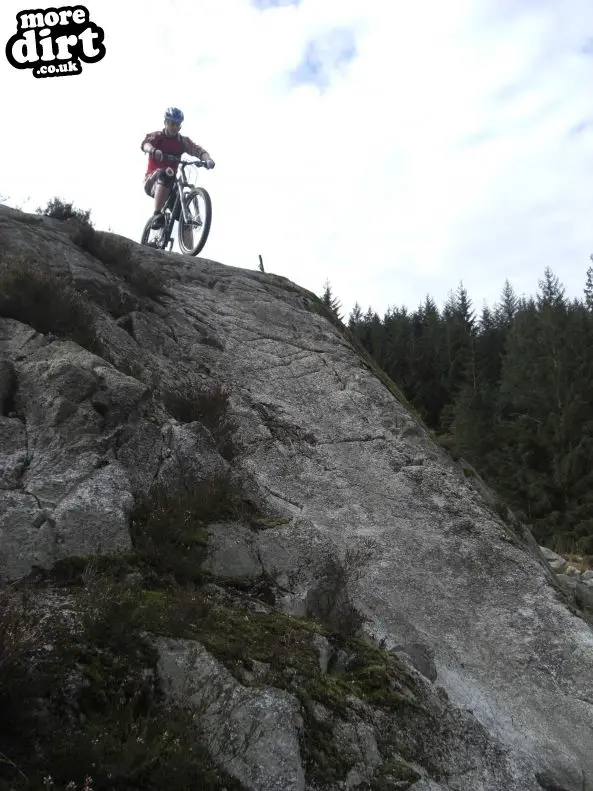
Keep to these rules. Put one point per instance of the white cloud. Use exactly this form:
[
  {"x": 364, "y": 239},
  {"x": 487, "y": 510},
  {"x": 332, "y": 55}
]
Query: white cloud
[{"x": 443, "y": 151}]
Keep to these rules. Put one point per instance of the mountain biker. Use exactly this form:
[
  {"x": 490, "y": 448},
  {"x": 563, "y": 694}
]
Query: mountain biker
[{"x": 168, "y": 140}]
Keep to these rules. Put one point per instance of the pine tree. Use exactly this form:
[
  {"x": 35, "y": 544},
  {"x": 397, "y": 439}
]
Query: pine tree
[
  {"x": 508, "y": 306},
  {"x": 464, "y": 310},
  {"x": 395, "y": 346},
  {"x": 544, "y": 396},
  {"x": 355, "y": 318},
  {"x": 552, "y": 292},
  {"x": 475, "y": 413},
  {"x": 370, "y": 333},
  {"x": 426, "y": 389},
  {"x": 459, "y": 351},
  {"x": 332, "y": 303},
  {"x": 589, "y": 288}
]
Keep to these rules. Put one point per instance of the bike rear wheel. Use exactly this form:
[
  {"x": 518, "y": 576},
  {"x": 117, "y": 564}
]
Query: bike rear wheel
[{"x": 192, "y": 235}]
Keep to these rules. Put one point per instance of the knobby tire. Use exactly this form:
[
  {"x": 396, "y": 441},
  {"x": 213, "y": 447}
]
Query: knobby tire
[{"x": 206, "y": 220}]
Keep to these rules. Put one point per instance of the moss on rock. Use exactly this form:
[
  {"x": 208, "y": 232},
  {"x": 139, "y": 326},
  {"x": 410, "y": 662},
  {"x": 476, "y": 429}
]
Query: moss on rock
[
  {"x": 395, "y": 773},
  {"x": 86, "y": 701}
]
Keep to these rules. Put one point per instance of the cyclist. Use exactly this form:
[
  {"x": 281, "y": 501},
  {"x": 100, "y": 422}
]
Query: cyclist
[{"x": 167, "y": 141}]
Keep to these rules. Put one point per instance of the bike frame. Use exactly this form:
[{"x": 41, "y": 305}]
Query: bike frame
[
  {"x": 174, "y": 202},
  {"x": 175, "y": 198}
]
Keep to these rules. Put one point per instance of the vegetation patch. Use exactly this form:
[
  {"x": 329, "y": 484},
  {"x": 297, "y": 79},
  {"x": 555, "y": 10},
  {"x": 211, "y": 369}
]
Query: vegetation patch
[
  {"x": 239, "y": 636},
  {"x": 116, "y": 253},
  {"x": 71, "y": 572},
  {"x": 237, "y": 633},
  {"x": 46, "y": 301},
  {"x": 112, "y": 250},
  {"x": 187, "y": 401},
  {"x": 96, "y": 688},
  {"x": 324, "y": 761},
  {"x": 330, "y": 601},
  {"x": 82, "y": 703},
  {"x": 59, "y": 209},
  {"x": 581, "y": 562},
  {"x": 395, "y": 773},
  {"x": 168, "y": 524}
]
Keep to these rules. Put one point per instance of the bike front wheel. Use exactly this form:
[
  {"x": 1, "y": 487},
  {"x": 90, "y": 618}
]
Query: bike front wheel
[{"x": 193, "y": 233}]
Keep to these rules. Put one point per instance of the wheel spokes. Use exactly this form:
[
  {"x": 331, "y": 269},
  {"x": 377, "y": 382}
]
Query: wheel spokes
[{"x": 193, "y": 225}]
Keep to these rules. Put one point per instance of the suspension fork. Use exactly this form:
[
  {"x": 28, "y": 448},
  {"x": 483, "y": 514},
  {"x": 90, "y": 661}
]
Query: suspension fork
[{"x": 182, "y": 203}]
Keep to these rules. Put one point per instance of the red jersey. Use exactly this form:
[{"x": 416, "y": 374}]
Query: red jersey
[{"x": 177, "y": 145}]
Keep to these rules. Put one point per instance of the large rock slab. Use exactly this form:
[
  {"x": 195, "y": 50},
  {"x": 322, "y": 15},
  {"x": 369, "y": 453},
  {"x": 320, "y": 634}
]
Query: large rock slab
[{"x": 329, "y": 446}]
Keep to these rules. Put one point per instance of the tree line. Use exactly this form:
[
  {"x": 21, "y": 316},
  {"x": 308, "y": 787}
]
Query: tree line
[{"x": 510, "y": 390}]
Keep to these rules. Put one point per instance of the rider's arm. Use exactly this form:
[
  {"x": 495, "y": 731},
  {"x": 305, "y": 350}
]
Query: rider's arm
[
  {"x": 194, "y": 150},
  {"x": 148, "y": 143}
]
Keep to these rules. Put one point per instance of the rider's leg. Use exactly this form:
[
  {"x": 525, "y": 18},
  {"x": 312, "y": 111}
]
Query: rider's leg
[
  {"x": 161, "y": 193},
  {"x": 161, "y": 183}
]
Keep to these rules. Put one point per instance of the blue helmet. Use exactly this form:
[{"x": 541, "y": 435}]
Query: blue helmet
[{"x": 174, "y": 114}]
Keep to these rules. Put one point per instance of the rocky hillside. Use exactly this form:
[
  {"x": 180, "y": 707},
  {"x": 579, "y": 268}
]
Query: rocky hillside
[{"x": 233, "y": 558}]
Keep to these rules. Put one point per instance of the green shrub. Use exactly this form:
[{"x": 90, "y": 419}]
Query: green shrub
[
  {"x": 60, "y": 210},
  {"x": 330, "y": 601},
  {"x": 82, "y": 705},
  {"x": 167, "y": 524},
  {"x": 113, "y": 251},
  {"x": 187, "y": 401},
  {"x": 45, "y": 301}
]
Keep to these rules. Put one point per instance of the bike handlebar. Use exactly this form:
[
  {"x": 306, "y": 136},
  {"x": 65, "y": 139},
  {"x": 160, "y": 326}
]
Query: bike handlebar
[{"x": 183, "y": 162}]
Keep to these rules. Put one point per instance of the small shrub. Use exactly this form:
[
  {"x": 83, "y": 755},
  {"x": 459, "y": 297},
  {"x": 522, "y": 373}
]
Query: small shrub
[
  {"x": 323, "y": 756},
  {"x": 330, "y": 602},
  {"x": 75, "y": 570},
  {"x": 60, "y": 210},
  {"x": 19, "y": 627},
  {"x": 187, "y": 401},
  {"x": 394, "y": 773},
  {"x": 45, "y": 301},
  {"x": 114, "y": 252},
  {"x": 167, "y": 525}
]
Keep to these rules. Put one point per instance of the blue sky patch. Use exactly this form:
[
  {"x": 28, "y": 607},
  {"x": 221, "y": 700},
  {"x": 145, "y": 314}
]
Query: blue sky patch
[
  {"x": 265, "y": 5},
  {"x": 324, "y": 56}
]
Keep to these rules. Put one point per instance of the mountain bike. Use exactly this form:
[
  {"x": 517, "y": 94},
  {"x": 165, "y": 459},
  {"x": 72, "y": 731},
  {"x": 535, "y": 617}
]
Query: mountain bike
[{"x": 182, "y": 199}]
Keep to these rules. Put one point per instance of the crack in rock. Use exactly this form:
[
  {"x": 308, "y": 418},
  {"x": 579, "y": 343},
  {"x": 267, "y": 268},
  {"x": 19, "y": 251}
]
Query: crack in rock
[
  {"x": 283, "y": 498},
  {"x": 347, "y": 440}
]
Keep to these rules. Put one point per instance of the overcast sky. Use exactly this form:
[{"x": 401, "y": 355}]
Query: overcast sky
[{"x": 394, "y": 148}]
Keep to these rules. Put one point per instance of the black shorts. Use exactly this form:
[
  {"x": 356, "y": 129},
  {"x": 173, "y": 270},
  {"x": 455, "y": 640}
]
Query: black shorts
[{"x": 159, "y": 175}]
